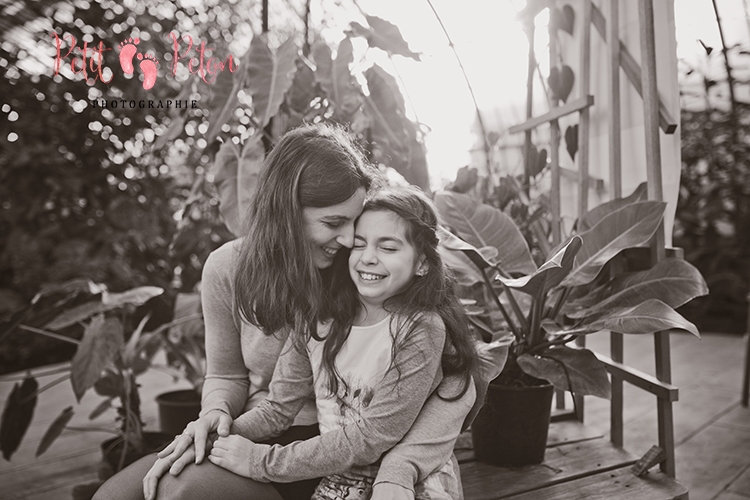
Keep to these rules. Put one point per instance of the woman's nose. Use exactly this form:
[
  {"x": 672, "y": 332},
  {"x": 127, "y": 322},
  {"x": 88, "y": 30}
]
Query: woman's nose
[{"x": 345, "y": 237}]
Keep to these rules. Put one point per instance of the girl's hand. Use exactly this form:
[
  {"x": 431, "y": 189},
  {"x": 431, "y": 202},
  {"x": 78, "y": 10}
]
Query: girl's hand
[
  {"x": 233, "y": 453},
  {"x": 198, "y": 432},
  {"x": 389, "y": 491}
]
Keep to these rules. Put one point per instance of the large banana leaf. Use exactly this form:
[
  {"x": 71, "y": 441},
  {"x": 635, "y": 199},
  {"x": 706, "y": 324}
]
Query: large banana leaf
[
  {"x": 464, "y": 268},
  {"x": 482, "y": 225},
  {"x": 673, "y": 281},
  {"x": 384, "y": 35},
  {"x": 575, "y": 370},
  {"x": 549, "y": 275},
  {"x": 225, "y": 97},
  {"x": 394, "y": 136},
  {"x": 17, "y": 414},
  {"x": 335, "y": 77},
  {"x": 54, "y": 430},
  {"x": 627, "y": 227},
  {"x": 236, "y": 175},
  {"x": 650, "y": 316},
  {"x": 135, "y": 296},
  {"x": 269, "y": 76},
  {"x": 303, "y": 91},
  {"x": 100, "y": 344},
  {"x": 597, "y": 213}
]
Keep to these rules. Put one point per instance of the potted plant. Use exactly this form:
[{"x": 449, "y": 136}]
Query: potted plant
[
  {"x": 106, "y": 359},
  {"x": 186, "y": 352},
  {"x": 581, "y": 288}
]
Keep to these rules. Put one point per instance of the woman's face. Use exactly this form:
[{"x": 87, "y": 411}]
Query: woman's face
[{"x": 330, "y": 228}]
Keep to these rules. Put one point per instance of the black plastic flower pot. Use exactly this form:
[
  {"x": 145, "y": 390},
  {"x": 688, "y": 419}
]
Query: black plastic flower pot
[
  {"x": 511, "y": 428},
  {"x": 152, "y": 442},
  {"x": 177, "y": 409}
]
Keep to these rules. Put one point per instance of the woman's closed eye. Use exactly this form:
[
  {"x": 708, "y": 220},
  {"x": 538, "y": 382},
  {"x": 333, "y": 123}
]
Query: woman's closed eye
[{"x": 333, "y": 225}]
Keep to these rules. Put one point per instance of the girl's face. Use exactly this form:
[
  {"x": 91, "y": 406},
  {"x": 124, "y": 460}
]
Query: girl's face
[
  {"x": 382, "y": 261},
  {"x": 330, "y": 228}
]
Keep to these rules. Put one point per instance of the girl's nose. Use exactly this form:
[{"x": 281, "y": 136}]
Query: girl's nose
[{"x": 369, "y": 256}]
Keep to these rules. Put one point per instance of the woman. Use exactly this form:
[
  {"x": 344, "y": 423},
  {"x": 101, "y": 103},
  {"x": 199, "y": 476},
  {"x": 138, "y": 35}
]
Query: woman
[{"x": 258, "y": 289}]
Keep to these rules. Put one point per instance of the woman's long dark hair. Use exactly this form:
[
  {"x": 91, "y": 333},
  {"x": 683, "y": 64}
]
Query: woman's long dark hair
[
  {"x": 432, "y": 293},
  {"x": 277, "y": 284}
]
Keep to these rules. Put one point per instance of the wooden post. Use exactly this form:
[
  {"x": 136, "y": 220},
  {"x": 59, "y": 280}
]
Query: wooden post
[
  {"x": 653, "y": 165},
  {"x": 529, "y": 108},
  {"x": 554, "y": 139},
  {"x": 583, "y": 146},
  {"x": 264, "y": 16},
  {"x": 746, "y": 371},
  {"x": 583, "y": 127},
  {"x": 615, "y": 184},
  {"x": 615, "y": 142}
]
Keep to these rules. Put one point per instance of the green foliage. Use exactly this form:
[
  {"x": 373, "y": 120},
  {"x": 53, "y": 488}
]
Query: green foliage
[
  {"x": 713, "y": 211},
  {"x": 286, "y": 90},
  {"x": 123, "y": 196},
  {"x": 576, "y": 291},
  {"x": 113, "y": 351},
  {"x": 17, "y": 415},
  {"x": 84, "y": 191}
]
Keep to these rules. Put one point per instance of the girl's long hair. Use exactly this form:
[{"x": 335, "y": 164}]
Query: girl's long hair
[
  {"x": 277, "y": 283},
  {"x": 435, "y": 292}
]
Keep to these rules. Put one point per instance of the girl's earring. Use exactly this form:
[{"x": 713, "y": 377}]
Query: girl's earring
[{"x": 421, "y": 272}]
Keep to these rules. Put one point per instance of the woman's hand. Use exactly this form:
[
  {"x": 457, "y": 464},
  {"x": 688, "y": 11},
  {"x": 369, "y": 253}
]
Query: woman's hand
[
  {"x": 233, "y": 453},
  {"x": 151, "y": 479},
  {"x": 197, "y": 433}
]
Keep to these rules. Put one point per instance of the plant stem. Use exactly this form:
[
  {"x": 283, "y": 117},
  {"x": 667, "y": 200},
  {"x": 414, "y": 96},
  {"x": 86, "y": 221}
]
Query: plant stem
[
  {"x": 516, "y": 308},
  {"x": 730, "y": 78},
  {"x": 559, "y": 341},
  {"x": 500, "y": 306},
  {"x": 49, "y": 334},
  {"x": 91, "y": 429},
  {"x": 42, "y": 389},
  {"x": 560, "y": 301},
  {"x": 19, "y": 378},
  {"x": 483, "y": 129}
]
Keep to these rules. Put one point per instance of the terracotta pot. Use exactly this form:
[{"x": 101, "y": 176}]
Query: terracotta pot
[
  {"x": 511, "y": 428},
  {"x": 177, "y": 409}
]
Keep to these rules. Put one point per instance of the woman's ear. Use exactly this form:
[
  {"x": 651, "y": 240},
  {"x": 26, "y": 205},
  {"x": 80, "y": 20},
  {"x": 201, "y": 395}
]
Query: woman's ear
[{"x": 422, "y": 267}]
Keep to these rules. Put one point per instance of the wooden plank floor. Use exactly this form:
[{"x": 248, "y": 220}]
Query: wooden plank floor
[
  {"x": 74, "y": 458},
  {"x": 712, "y": 429}
]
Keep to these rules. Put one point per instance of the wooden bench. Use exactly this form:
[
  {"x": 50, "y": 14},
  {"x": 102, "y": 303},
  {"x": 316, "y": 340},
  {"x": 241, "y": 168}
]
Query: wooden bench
[{"x": 579, "y": 464}]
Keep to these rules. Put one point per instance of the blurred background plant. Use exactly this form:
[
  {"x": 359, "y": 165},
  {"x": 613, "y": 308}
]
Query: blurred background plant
[
  {"x": 130, "y": 197},
  {"x": 713, "y": 211}
]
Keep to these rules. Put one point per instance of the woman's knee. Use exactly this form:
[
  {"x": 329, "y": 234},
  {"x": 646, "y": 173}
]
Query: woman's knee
[{"x": 128, "y": 483}]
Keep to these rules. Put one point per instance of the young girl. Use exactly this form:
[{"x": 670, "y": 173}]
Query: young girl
[{"x": 396, "y": 329}]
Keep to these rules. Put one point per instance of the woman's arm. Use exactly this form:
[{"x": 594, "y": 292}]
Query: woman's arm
[
  {"x": 429, "y": 443},
  {"x": 226, "y": 386},
  {"x": 398, "y": 399},
  {"x": 225, "y": 389},
  {"x": 290, "y": 388}
]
